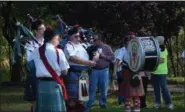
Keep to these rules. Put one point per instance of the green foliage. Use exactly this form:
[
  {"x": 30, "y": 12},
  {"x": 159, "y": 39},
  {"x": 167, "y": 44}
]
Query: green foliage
[{"x": 113, "y": 19}]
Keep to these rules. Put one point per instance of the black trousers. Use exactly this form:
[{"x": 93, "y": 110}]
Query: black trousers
[{"x": 143, "y": 98}]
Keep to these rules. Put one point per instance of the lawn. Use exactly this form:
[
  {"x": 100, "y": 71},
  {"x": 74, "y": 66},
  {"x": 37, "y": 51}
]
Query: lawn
[{"x": 12, "y": 100}]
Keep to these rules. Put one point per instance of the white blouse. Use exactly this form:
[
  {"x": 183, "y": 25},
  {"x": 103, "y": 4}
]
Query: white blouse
[
  {"x": 51, "y": 56},
  {"x": 30, "y": 47}
]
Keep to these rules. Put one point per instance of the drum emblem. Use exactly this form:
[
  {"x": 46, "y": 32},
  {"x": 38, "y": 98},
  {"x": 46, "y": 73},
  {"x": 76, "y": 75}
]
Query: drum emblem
[{"x": 134, "y": 55}]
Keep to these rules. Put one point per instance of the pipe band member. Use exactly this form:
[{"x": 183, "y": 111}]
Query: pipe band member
[
  {"x": 77, "y": 79},
  {"x": 129, "y": 91},
  {"x": 30, "y": 83},
  {"x": 51, "y": 65}
]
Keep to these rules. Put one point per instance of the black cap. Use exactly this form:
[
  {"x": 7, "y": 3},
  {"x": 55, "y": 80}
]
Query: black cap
[
  {"x": 36, "y": 24},
  {"x": 72, "y": 31},
  {"x": 49, "y": 33}
]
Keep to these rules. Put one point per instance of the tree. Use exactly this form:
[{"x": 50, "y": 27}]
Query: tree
[{"x": 113, "y": 19}]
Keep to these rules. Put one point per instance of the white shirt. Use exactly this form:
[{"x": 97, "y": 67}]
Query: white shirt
[
  {"x": 51, "y": 56},
  {"x": 30, "y": 47},
  {"x": 119, "y": 68},
  {"x": 123, "y": 55},
  {"x": 77, "y": 50}
]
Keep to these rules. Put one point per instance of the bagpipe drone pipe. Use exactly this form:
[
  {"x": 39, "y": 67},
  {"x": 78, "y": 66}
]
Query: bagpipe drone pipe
[
  {"x": 85, "y": 34},
  {"x": 23, "y": 36}
]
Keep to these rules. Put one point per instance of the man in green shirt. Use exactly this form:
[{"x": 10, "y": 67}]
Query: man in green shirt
[{"x": 159, "y": 77}]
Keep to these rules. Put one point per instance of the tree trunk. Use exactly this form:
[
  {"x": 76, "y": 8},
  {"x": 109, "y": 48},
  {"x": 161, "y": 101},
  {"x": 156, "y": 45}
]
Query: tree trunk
[
  {"x": 16, "y": 70},
  {"x": 177, "y": 54},
  {"x": 8, "y": 33},
  {"x": 169, "y": 47}
]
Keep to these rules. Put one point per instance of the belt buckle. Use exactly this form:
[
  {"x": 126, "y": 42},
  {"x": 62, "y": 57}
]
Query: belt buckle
[
  {"x": 83, "y": 75},
  {"x": 83, "y": 72}
]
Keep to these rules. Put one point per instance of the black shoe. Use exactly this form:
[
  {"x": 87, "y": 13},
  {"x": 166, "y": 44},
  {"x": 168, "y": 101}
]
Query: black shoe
[
  {"x": 103, "y": 106},
  {"x": 119, "y": 103}
]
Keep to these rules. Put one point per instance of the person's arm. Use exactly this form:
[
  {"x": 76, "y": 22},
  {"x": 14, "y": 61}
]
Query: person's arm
[
  {"x": 96, "y": 57},
  {"x": 64, "y": 65},
  {"x": 78, "y": 60},
  {"x": 163, "y": 57},
  {"x": 116, "y": 64},
  {"x": 29, "y": 50},
  {"x": 109, "y": 56},
  {"x": 71, "y": 55}
]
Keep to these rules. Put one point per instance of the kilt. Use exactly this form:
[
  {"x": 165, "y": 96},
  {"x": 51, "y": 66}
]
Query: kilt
[
  {"x": 72, "y": 81},
  {"x": 127, "y": 89},
  {"x": 49, "y": 97}
]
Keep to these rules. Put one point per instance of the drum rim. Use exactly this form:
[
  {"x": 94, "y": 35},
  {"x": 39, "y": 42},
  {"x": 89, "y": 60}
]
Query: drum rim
[{"x": 157, "y": 50}]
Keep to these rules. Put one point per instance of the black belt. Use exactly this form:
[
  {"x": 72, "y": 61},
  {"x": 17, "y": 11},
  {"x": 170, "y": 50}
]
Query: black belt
[
  {"x": 100, "y": 68},
  {"x": 77, "y": 70},
  {"x": 46, "y": 78}
]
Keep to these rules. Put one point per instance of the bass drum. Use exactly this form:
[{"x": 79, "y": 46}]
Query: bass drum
[{"x": 144, "y": 54}]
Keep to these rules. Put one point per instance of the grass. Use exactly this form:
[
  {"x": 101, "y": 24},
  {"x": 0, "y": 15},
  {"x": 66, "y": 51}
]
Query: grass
[
  {"x": 12, "y": 100},
  {"x": 176, "y": 80},
  {"x": 178, "y": 100}
]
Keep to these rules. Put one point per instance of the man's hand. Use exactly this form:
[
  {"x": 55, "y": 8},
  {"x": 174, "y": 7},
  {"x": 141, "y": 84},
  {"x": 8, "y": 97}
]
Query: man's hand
[
  {"x": 113, "y": 87},
  {"x": 102, "y": 55},
  {"x": 96, "y": 57},
  {"x": 92, "y": 63},
  {"x": 64, "y": 72}
]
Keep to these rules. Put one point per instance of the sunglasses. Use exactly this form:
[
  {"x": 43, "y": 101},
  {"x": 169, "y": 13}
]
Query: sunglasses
[
  {"x": 76, "y": 36},
  {"x": 41, "y": 29},
  {"x": 95, "y": 40}
]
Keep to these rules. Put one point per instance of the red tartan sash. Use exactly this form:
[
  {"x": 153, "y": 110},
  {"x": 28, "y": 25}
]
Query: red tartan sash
[{"x": 52, "y": 72}]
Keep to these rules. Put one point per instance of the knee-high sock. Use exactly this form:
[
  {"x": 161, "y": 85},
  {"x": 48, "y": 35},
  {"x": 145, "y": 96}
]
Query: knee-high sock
[
  {"x": 71, "y": 108},
  {"x": 127, "y": 103},
  {"x": 79, "y": 107},
  {"x": 136, "y": 102}
]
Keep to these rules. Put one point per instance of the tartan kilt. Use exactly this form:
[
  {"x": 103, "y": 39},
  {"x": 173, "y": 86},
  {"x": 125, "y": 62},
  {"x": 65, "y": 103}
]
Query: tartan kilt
[
  {"x": 72, "y": 81},
  {"x": 49, "y": 97},
  {"x": 126, "y": 88},
  {"x": 72, "y": 87}
]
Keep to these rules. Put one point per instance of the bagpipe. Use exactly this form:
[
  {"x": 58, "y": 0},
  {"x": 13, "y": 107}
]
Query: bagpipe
[
  {"x": 86, "y": 36},
  {"x": 23, "y": 36}
]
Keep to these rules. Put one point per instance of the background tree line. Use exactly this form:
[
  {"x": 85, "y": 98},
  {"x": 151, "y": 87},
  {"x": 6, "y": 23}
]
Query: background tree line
[{"x": 113, "y": 19}]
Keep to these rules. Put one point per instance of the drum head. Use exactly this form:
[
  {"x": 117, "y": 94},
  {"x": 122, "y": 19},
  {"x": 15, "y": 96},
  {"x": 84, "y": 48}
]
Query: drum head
[{"x": 136, "y": 55}]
